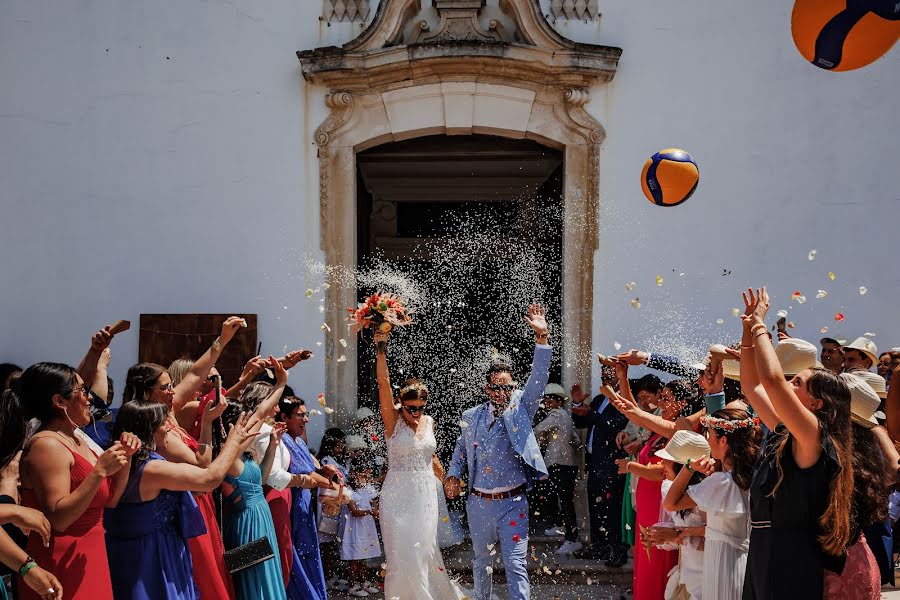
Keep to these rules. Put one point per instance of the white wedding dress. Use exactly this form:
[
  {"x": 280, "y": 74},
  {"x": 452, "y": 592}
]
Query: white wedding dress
[{"x": 409, "y": 519}]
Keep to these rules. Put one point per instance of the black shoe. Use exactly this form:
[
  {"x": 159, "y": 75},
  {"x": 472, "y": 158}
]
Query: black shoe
[
  {"x": 617, "y": 560},
  {"x": 591, "y": 553}
]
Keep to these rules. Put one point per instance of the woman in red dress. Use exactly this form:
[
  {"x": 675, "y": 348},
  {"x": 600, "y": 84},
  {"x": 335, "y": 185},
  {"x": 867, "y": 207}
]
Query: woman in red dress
[
  {"x": 651, "y": 567},
  {"x": 70, "y": 484}
]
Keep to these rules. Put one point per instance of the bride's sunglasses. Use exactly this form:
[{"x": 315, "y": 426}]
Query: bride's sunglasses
[{"x": 414, "y": 410}]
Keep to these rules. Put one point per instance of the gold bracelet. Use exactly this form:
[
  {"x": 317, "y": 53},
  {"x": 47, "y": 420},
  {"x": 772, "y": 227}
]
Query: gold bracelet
[
  {"x": 743, "y": 347},
  {"x": 757, "y": 326},
  {"x": 763, "y": 333}
]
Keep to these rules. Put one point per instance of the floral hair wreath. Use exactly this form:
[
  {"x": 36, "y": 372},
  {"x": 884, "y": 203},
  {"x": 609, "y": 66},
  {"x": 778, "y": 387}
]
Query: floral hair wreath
[
  {"x": 418, "y": 387},
  {"x": 729, "y": 425}
]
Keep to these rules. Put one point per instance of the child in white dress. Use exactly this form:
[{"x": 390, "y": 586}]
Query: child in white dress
[
  {"x": 684, "y": 529},
  {"x": 734, "y": 439},
  {"x": 360, "y": 534}
]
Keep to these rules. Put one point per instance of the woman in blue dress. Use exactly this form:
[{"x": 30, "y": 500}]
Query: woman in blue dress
[
  {"x": 147, "y": 532},
  {"x": 307, "y": 576}
]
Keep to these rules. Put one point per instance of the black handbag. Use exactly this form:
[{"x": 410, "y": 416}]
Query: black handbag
[{"x": 247, "y": 555}]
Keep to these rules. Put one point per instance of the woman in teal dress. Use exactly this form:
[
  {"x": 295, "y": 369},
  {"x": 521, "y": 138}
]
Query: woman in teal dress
[{"x": 248, "y": 518}]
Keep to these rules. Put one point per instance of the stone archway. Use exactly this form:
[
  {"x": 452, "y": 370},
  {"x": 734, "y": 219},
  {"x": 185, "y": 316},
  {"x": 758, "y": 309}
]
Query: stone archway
[{"x": 460, "y": 67}]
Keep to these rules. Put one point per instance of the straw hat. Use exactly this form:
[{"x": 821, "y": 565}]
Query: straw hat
[
  {"x": 355, "y": 442},
  {"x": 363, "y": 413},
  {"x": 864, "y": 402},
  {"x": 731, "y": 369},
  {"x": 684, "y": 446},
  {"x": 875, "y": 381},
  {"x": 796, "y": 355},
  {"x": 554, "y": 389},
  {"x": 866, "y": 346}
]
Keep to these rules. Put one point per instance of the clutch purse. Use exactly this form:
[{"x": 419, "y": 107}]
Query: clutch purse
[{"x": 247, "y": 555}]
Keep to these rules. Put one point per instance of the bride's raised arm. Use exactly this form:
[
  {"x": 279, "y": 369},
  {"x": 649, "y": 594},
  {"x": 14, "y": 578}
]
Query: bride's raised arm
[{"x": 385, "y": 393}]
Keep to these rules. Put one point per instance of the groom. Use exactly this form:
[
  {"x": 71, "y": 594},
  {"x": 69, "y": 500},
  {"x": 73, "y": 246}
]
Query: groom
[{"x": 501, "y": 457}]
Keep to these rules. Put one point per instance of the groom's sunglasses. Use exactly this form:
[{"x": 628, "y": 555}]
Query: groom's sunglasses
[
  {"x": 497, "y": 387},
  {"x": 414, "y": 410}
]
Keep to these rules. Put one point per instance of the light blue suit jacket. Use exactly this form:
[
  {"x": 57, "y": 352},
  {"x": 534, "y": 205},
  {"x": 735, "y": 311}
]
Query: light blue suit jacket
[{"x": 517, "y": 420}]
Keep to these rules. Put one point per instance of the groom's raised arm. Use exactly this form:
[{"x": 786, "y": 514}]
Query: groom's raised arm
[{"x": 540, "y": 366}]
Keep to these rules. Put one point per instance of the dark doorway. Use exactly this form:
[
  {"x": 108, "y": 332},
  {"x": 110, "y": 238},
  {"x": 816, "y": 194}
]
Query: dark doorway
[{"x": 423, "y": 199}]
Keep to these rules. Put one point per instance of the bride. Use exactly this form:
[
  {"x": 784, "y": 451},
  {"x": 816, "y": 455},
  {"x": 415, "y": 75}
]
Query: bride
[{"x": 409, "y": 502}]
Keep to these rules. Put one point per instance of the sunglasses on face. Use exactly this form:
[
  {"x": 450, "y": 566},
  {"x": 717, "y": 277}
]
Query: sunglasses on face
[
  {"x": 501, "y": 387},
  {"x": 414, "y": 410},
  {"x": 81, "y": 389},
  {"x": 166, "y": 388}
]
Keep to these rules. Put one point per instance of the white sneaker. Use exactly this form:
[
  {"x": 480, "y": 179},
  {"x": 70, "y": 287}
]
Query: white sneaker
[
  {"x": 358, "y": 592},
  {"x": 370, "y": 587},
  {"x": 341, "y": 584},
  {"x": 568, "y": 548},
  {"x": 555, "y": 531}
]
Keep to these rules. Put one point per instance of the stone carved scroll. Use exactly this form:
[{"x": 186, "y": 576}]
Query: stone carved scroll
[{"x": 341, "y": 105}]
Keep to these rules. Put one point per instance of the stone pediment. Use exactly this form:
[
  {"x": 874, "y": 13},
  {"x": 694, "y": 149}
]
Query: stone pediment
[{"x": 410, "y": 42}]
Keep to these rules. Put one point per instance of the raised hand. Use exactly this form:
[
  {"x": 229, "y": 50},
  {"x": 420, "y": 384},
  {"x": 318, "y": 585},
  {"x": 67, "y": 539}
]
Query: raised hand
[
  {"x": 622, "y": 404},
  {"x": 101, "y": 340},
  {"x": 632, "y": 357},
  {"x": 622, "y": 465},
  {"x": 281, "y": 374},
  {"x": 276, "y": 433},
  {"x": 755, "y": 306},
  {"x": 537, "y": 320},
  {"x": 621, "y": 368},
  {"x": 111, "y": 461},
  {"x": 229, "y": 328},
  {"x": 292, "y": 359},
  {"x": 713, "y": 382},
  {"x": 244, "y": 431},
  {"x": 254, "y": 367},
  {"x": 214, "y": 410},
  {"x": 329, "y": 471},
  {"x": 131, "y": 444},
  {"x": 577, "y": 394}
]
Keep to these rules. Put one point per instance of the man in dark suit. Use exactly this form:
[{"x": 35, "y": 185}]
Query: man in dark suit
[{"x": 605, "y": 486}]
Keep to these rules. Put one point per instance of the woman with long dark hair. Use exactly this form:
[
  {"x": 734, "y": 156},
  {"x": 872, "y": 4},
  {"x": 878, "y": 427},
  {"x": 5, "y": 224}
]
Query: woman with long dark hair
[
  {"x": 802, "y": 486},
  {"x": 66, "y": 481},
  {"x": 18, "y": 521},
  {"x": 147, "y": 533}
]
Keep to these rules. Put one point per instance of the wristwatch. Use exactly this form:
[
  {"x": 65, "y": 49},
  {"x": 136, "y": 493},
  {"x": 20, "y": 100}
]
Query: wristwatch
[{"x": 217, "y": 345}]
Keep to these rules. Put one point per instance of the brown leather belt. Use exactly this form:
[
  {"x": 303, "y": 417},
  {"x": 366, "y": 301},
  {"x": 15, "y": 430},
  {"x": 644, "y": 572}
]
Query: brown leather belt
[{"x": 500, "y": 495}]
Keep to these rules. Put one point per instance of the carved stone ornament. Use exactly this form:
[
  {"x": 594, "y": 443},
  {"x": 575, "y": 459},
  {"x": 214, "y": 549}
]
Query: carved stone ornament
[{"x": 346, "y": 11}]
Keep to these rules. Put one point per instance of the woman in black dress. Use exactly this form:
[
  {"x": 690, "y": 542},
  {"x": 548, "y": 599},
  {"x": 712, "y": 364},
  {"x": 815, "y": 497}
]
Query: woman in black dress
[{"x": 800, "y": 497}]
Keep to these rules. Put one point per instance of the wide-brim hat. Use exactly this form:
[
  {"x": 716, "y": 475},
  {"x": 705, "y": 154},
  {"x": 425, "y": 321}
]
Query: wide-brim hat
[
  {"x": 864, "y": 402},
  {"x": 684, "y": 446},
  {"x": 866, "y": 346},
  {"x": 796, "y": 355},
  {"x": 731, "y": 369},
  {"x": 875, "y": 381}
]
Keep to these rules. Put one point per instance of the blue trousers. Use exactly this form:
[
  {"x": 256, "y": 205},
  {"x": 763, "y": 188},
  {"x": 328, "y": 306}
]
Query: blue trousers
[{"x": 504, "y": 521}]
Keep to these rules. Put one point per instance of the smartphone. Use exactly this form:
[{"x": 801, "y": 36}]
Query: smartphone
[{"x": 215, "y": 381}]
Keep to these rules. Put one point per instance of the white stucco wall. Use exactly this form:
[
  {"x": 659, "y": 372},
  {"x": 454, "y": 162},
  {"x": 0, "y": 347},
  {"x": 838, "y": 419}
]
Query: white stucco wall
[{"x": 159, "y": 158}]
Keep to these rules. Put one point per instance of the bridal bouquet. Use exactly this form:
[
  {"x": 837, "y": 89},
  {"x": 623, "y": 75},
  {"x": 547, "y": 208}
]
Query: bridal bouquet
[{"x": 383, "y": 311}]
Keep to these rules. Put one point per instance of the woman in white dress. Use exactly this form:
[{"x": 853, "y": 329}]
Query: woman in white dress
[
  {"x": 408, "y": 509},
  {"x": 734, "y": 440}
]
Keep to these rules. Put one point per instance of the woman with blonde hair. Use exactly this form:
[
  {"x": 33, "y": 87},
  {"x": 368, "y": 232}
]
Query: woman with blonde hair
[{"x": 802, "y": 485}]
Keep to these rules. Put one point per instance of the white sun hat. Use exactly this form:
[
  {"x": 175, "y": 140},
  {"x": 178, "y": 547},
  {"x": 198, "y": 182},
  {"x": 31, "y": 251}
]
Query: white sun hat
[
  {"x": 684, "y": 446},
  {"x": 866, "y": 346},
  {"x": 875, "y": 381},
  {"x": 796, "y": 355},
  {"x": 864, "y": 402},
  {"x": 554, "y": 389}
]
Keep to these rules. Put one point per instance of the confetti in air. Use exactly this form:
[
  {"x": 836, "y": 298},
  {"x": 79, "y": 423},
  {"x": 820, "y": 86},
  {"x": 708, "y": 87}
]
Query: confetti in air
[
  {"x": 812, "y": 255},
  {"x": 309, "y": 293},
  {"x": 839, "y": 317},
  {"x": 831, "y": 275},
  {"x": 321, "y": 399},
  {"x": 630, "y": 286},
  {"x": 342, "y": 358},
  {"x": 823, "y": 330},
  {"x": 635, "y": 303},
  {"x": 862, "y": 290},
  {"x": 720, "y": 321},
  {"x": 735, "y": 312},
  {"x": 869, "y": 334},
  {"x": 782, "y": 314},
  {"x": 821, "y": 294},
  {"x": 659, "y": 280},
  {"x": 617, "y": 346}
]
